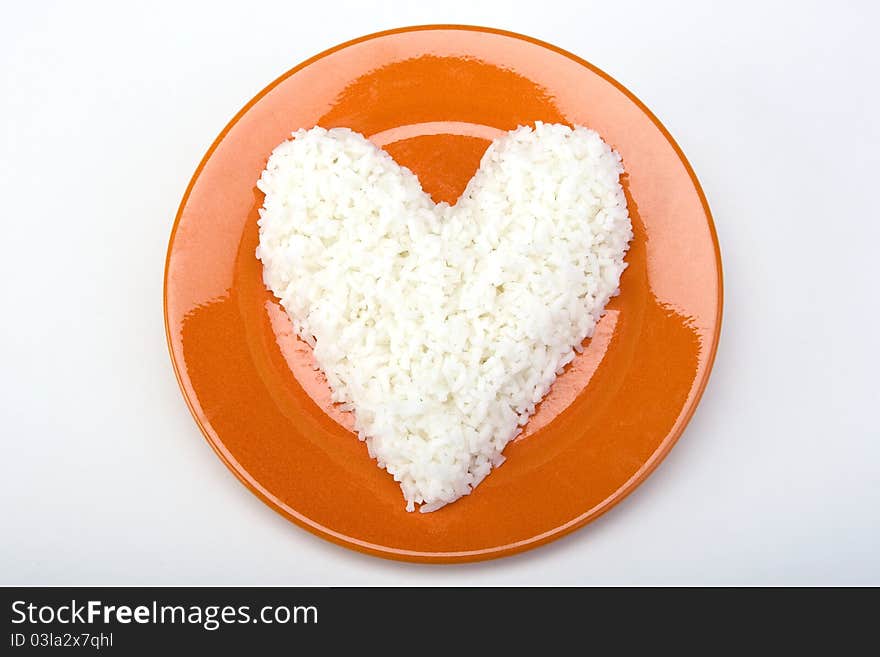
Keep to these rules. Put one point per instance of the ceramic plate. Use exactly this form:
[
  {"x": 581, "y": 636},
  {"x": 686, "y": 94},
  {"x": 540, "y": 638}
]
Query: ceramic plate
[{"x": 434, "y": 97}]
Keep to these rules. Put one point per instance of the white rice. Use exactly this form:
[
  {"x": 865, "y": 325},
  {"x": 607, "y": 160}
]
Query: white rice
[{"x": 442, "y": 326}]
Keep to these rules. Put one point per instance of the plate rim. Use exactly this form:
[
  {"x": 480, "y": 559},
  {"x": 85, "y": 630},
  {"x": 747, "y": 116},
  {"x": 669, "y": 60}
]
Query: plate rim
[{"x": 496, "y": 551}]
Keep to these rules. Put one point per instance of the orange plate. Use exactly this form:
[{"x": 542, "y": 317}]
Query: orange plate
[{"x": 433, "y": 97}]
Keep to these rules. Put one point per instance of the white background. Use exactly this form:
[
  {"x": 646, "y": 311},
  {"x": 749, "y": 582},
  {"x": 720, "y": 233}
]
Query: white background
[{"x": 105, "y": 111}]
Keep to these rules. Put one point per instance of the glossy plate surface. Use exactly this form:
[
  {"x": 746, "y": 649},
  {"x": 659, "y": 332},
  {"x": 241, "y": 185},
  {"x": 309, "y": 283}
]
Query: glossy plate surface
[{"x": 434, "y": 97}]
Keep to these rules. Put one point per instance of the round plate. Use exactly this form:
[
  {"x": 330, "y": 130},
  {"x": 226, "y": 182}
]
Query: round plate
[{"x": 433, "y": 96}]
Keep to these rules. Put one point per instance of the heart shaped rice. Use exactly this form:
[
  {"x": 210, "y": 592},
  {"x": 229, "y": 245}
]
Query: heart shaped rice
[{"x": 441, "y": 327}]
